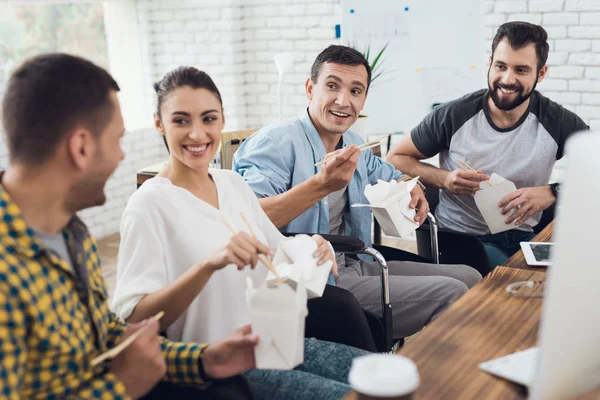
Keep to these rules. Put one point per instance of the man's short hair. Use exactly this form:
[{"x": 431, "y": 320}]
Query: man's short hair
[
  {"x": 520, "y": 34},
  {"x": 343, "y": 55},
  {"x": 48, "y": 96}
]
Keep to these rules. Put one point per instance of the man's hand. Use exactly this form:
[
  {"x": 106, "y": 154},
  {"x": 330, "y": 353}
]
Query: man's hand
[
  {"x": 464, "y": 182},
  {"x": 324, "y": 253},
  {"x": 419, "y": 201},
  {"x": 526, "y": 202},
  {"x": 337, "y": 173},
  {"x": 141, "y": 365},
  {"x": 241, "y": 250},
  {"x": 231, "y": 356}
]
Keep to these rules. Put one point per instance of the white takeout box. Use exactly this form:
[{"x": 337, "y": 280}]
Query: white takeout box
[
  {"x": 389, "y": 203},
  {"x": 294, "y": 258},
  {"x": 277, "y": 315},
  {"x": 487, "y": 200}
]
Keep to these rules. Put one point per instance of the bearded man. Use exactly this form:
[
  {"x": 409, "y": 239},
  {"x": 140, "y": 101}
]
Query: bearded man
[{"x": 509, "y": 128}]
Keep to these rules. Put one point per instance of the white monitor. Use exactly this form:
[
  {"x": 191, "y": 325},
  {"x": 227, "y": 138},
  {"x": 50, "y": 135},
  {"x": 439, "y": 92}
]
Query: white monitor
[{"x": 567, "y": 362}]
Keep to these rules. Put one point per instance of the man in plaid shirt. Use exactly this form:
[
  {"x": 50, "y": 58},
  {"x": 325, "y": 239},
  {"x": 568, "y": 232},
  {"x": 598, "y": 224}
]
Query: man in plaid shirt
[{"x": 63, "y": 128}]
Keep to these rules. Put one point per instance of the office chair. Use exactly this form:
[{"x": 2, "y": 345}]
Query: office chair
[
  {"x": 381, "y": 327},
  {"x": 230, "y": 142},
  {"x": 461, "y": 248}
]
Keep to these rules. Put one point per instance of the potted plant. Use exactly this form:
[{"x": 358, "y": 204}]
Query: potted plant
[{"x": 361, "y": 124}]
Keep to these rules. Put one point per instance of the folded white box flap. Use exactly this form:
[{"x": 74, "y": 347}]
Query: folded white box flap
[
  {"x": 389, "y": 202},
  {"x": 293, "y": 258}
]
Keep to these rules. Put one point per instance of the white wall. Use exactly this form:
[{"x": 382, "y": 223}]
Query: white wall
[{"x": 235, "y": 41}]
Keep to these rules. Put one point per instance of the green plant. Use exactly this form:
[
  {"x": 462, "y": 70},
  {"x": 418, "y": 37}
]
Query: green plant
[{"x": 376, "y": 69}]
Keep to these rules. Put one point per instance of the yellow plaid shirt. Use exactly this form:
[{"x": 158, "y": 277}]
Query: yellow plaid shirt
[{"x": 52, "y": 325}]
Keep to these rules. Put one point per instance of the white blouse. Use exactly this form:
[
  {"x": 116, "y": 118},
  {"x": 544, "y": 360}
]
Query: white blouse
[{"x": 166, "y": 229}]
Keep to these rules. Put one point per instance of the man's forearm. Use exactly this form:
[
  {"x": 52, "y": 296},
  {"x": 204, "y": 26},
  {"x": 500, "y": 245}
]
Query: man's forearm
[
  {"x": 284, "y": 208},
  {"x": 429, "y": 175}
]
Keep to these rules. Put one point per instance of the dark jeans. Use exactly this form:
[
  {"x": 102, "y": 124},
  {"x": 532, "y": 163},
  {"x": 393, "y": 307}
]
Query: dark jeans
[
  {"x": 500, "y": 246},
  {"x": 236, "y": 388},
  {"x": 338, "y": 317}
]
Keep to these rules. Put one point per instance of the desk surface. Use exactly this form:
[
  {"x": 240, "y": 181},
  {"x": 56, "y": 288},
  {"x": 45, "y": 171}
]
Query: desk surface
[{"x": 485, "y": 323}]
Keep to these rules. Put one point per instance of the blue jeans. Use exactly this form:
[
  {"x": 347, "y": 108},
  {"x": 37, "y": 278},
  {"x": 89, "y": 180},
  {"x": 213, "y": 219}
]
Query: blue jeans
[
  {"x": 500, "y": 246},
  {"x": 323, "y": 375}
]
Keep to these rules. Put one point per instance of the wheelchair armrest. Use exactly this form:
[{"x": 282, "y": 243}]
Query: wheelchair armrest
[{"x": 340, "y": 243}]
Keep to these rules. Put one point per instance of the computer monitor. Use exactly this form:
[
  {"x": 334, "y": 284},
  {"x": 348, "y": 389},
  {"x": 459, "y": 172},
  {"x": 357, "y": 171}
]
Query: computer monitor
[
  {"x": 569, "y": 359},
  {"x": 566, "y": 362}
]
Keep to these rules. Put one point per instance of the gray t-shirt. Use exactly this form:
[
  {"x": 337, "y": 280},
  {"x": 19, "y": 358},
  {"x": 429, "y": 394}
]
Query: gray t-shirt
[
  {"x": 338, "y": 205},
  {"x": 524, "y": 154},
  {"x": 58, "y": 243}
]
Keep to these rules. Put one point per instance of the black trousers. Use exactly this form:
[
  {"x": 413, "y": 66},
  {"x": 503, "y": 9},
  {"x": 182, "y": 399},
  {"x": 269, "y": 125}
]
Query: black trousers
[
  {"x": 338, "y": 317},
  {"x": 236, "y": 388}
]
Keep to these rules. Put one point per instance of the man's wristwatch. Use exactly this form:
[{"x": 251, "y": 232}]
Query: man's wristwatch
[
  {"x": 421, "y": 185},
  {"x": 408, "y": 178},
  {"x": 555, "y": 188}
]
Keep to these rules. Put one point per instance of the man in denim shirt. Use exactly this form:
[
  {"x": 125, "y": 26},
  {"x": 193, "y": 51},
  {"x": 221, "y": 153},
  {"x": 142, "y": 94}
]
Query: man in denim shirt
[{"x": 278, "y": 162}]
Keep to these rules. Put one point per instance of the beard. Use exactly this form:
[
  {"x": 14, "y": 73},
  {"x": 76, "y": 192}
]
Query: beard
[
  {"x": 89, "y": 190},
  {"x": 505, "y": 104},
  {"x": 87, "y": 193}
]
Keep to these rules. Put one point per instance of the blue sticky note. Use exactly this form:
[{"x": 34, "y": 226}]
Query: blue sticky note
[{"x": 338, "y": 31}]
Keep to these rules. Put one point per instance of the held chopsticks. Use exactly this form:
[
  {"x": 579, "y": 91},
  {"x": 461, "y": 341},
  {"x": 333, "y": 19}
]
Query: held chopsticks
[
  {"x": 264, "y": 259},
  {"x": 362, "y": 147},
  {"x": 461, "y": 163},
  {"x": 115, "y": 351}
]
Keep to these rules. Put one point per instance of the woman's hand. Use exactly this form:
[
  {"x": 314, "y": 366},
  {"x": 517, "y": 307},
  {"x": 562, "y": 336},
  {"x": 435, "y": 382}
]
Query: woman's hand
[
  {"x": 241, "y": 250},
  {"x": 325, "y": 253}
]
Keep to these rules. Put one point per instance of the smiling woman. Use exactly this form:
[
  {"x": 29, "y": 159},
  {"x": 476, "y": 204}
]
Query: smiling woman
[{"x": 178, "y": 255}]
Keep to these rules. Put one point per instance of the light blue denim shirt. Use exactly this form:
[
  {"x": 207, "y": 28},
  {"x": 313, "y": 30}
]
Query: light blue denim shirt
[{"x": 283, "y": 155}]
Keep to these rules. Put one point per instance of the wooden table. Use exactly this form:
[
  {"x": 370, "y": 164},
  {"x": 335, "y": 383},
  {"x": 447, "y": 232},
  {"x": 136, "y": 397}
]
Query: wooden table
[
  {"x": 485, "y": 323},
  {"x": 148, "y": 172}
]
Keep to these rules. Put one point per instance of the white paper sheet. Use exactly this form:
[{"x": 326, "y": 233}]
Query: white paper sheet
[{"x": 487, "y": 200}]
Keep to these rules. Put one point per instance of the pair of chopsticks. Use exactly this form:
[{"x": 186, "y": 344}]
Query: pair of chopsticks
[
  {"x": 362, "y": 147},
  {"x": 264, "y": 259},
  {"x": 462, "y": 166},
  {"x": 115, "y": 351}
]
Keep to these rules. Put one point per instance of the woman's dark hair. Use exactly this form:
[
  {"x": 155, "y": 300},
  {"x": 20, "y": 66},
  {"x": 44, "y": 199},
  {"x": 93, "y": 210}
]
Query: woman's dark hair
[
  {"x": 181, "y": 77},
  {"x": 520, "y": 34}
]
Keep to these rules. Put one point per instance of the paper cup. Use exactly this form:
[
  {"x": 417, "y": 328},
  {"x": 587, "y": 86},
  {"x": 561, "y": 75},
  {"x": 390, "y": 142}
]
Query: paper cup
[{"x": 384, "y": 376}]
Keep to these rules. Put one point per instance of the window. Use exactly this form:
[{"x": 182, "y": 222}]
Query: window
[{"x": 29, "y": 29}]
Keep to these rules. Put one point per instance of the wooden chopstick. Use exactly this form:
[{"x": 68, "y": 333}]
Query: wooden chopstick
[
  {"x": 269, "y": 262},
  {"x": 115, "y": 351},
  {"x": 362, "y": 147},
  {"x": 469, "y": 167},
  {"x": 373, "y": 141},
  {"x": 264, "y": 259}
]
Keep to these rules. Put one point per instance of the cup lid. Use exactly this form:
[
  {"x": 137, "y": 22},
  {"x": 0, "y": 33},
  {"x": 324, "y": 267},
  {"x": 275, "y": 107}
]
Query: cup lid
[{"x": 384, "y": 375}]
